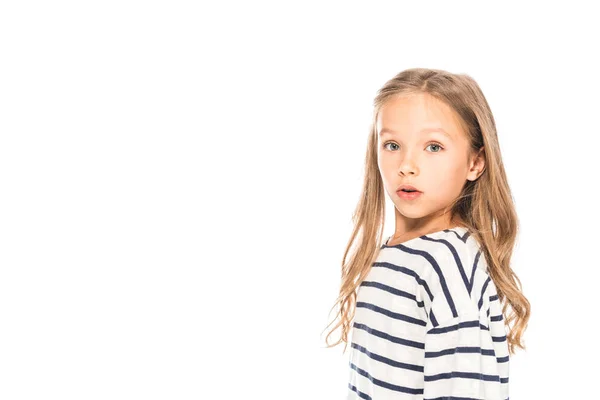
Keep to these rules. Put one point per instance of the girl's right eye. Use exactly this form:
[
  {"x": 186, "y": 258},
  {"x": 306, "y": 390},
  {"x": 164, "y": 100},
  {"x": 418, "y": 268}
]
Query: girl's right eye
[{"x": 385, "y": 144}]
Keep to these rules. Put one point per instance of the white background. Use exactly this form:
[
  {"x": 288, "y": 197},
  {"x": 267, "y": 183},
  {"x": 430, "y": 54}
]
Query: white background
[{"x": 177, "y": 181}]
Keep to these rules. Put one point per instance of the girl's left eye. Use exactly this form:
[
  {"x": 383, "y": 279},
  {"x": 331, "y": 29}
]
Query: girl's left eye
[{"x": 436, "y": 145}]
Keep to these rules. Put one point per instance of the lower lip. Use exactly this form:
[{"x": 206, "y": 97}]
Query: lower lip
[{"x": 408, "y": 195}]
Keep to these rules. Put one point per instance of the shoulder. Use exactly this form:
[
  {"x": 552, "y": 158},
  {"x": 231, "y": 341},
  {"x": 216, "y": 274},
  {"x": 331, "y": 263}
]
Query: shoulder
[
  {"x": 453, "y": 254},
  {"x": 457, "y": 275}
]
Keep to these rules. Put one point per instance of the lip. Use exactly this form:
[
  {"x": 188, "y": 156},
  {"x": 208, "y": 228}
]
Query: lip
[
  {"x": 409, "y": 196},
  {"x": 406, "y": 186}
]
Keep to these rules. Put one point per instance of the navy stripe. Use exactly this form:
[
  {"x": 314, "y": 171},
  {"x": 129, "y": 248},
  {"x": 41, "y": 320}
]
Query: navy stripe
[
  {"x": 484, "y": 352},
  {"x": 473, "y": 270},
  {"x": 487, "y": 281},
  {"x": 391, "y": 314},
  {"x": 359, "y": 393},
  {"x": 496, "y": 318},
  {"x": 460, "y": 374},
  {"x": 465, "y": 324},
  {"x": 393, "y": 290},
  {"x": 385, "y": 360},
  {"x": 437, "y": 269},
  {"x": 386, "y": 336},
  {"x": 502, "y": 359},
  {"x": 504, "y": 380},
  {"x": 433, "y": 320},
  {"x": 499, "y": 338},
  {"x": 385, "y": 384},
  {"x": 406, "y": 271},
  {"x": 462, "y": 238},
  {"x": 494, "y": 297},
  {"x": 456, "y": 259}
]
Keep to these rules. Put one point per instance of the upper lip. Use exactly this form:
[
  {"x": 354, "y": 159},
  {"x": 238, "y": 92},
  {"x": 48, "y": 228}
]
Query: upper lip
[{"x": 410, "y": 187}]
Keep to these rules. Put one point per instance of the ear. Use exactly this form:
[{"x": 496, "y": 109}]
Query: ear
[{"x": 477, "y": 165}]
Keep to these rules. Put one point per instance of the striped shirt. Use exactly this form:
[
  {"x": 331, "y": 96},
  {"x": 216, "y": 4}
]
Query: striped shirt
[{"x": 428, "y": 324}]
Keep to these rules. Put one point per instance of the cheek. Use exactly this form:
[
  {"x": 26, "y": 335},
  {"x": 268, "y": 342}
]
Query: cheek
[
  {"x": 385, "y": 165},
  {"x": 452, "y": 178}
]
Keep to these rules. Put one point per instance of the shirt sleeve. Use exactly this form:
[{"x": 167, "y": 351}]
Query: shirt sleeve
[{"x": 460, "y": 362}]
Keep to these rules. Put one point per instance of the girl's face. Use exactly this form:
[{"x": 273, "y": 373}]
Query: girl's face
[{"x": 413, "y": 149}]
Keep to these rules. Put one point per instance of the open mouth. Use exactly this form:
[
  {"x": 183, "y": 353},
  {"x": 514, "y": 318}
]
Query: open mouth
[{"x": 408, "y": 194}]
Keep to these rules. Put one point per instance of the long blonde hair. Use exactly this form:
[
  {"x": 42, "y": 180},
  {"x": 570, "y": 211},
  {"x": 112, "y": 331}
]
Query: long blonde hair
[{"x": 485, "y": 205}]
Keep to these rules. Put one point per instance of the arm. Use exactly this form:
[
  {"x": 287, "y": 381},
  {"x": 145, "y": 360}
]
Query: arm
[{"x": 460, "y": 361}]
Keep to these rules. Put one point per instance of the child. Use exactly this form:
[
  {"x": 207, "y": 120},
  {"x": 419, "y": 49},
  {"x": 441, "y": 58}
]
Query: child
[{"x": 429, "y": 305}]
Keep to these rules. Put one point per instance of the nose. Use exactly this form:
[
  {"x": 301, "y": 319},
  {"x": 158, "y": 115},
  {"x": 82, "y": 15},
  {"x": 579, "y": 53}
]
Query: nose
[{"x": 407, "y": 166}]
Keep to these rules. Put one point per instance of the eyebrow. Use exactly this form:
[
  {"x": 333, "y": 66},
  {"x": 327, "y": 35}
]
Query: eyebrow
[{"x": 426, "y": 130}]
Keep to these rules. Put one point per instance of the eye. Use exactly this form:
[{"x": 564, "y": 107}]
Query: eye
[
  {"x": 436, "y": 145},
  {"x": 385, "y": 144}
]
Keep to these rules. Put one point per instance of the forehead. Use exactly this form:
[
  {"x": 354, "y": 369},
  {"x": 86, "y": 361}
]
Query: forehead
[{"x": 417, "y": 113}]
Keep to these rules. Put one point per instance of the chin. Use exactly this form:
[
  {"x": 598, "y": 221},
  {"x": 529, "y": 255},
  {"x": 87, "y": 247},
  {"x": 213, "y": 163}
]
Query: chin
[{"x": 411, "y": 212}]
